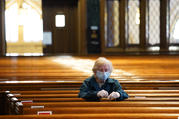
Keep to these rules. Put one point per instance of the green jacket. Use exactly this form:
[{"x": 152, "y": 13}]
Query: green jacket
[{"x": 90, "y": 88}]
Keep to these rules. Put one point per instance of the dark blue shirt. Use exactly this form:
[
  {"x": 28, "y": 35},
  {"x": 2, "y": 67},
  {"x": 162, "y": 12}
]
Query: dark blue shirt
[{"x": 90, "y": 88}]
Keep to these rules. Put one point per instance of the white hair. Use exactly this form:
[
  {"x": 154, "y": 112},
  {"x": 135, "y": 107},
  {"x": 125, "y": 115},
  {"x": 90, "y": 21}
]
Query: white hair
[{"x": 102, "y": 61}]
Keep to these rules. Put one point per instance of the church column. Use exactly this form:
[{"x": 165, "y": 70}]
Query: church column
[
  {"x": 143, "y": 17},
  {"x": 122, "y": 20},
  {"x": 164, "y": 40},
  {"x": 2, "y": 28}
]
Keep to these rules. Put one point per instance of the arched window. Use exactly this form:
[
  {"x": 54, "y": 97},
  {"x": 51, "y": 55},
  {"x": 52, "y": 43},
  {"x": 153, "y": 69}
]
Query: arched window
[
  {"x": 25, "y": 21},
  {"x": 174, "y": 22},
  {"x": 12, "y": 23},
  {"x": 32, "y": 25},
  {"x": 176, "y": 32}
]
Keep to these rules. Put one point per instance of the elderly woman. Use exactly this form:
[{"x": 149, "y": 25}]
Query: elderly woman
[{"x": 100, "y": 85}]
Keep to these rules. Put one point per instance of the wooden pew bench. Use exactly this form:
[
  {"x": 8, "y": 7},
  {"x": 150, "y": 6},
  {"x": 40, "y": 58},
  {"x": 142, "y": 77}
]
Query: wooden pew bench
[
  {"x": 77, "y": 91},
  {"x": 24, "y": 108},
  {"x": 10, "y": 105},
  {"x": 29, "y": 85},
  {"x": 100, "y": 110},
  {"x": 12, "y": 99},
  {"x": 75, "y": 85},
  {"x": 96, "y": 116},
  {"x": 38, "y": 96},
  {"x": 101, "y": 104},
  {"x": 80, "y": 102},
  {"x": 49, "y": 95},
  {"x": 44, "y": 92},
  {"x": 74, "y": 93}
]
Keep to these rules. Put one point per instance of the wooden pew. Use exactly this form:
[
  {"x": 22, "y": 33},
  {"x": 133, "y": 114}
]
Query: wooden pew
[
  {"x": 77, "y": 91},
  {"x": 80, "y": 99},
  {"x": 101, "y": 104},
  {"x": 154, "y": 95},
  {"x": 44, "y": 92},
  {"x": 46, "y": 99},
  {"x": 102, "y": 110},
  {"x": 23, "y": 108},
  {"x": 20, "y": 69},
  {"x": 29, "y": 85},
  {"x": 62, "y": 93},
  {"x": 75, "y": 85},
  {"x": 96, "y": 116},
  {"x": 45, "y": 67},
  {"x": 10, "y": 102},
  {"x": 149, "y": 79},
  {"x": 36, "y": 97}
]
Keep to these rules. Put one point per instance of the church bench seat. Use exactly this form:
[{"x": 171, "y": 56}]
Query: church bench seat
[
  {"x": 148, "y": 95},
  {"x": 64, "y": 97},
  {"x": 75, "y": 85},
  {"x": 102, "y": 110},
  {"x": 96, "y": 116},
  {"x": 11, "y": 104},
  {"x": 12, "y": 99},
  {"x": 46, "y": 73},
  {"x": 20, "y": 107},
  {"x": 102, "y": 104},
  {"x": 63, "y": 91}
]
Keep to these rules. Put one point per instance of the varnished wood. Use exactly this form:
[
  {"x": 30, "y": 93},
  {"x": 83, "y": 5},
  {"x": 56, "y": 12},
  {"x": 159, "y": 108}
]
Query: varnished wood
[
  {"x": 105, "y": 104},
  {"x": 59, "y": 84},
  {"x": 104, "y": 110},
  {"x": 77, "y": 91},
  {"x": 96, "y": 116}
]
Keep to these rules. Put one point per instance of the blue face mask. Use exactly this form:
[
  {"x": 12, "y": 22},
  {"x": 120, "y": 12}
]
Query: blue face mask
[{"x": 102, "y": 75}]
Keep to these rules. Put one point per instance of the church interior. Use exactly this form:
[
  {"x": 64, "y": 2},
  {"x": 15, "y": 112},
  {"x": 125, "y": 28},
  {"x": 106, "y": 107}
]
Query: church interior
[{"x": 48, "y": 48}]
